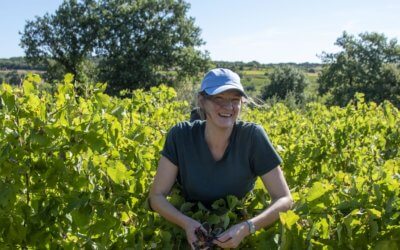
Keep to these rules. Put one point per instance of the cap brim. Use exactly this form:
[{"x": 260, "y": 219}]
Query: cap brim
[{"x": 223, "y": 88}]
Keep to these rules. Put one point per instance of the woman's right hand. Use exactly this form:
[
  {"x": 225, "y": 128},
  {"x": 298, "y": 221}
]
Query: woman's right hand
[{"x": 190, "y": 227}]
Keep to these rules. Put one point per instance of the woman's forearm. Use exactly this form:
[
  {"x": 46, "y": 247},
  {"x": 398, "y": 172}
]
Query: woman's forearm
[
  {"x": 161, "y": 205},
  {"x": 271, "y": 214}
]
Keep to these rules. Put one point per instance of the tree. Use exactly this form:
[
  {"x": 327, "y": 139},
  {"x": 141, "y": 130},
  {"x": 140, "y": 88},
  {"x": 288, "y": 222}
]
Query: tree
[
  {"x": 285, "y": 80},
  {"x": 13, "y": 78},
  {"x": 369, "y": 64},
  {"x": 254, "y": 64},
  {"x": 135, "y": 43},
  {"x": 148, "y": 42},
  {"x": 65, "y": 39}
]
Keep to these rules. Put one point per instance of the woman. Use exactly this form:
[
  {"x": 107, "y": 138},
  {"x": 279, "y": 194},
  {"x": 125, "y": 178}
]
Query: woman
[{"x": 219, "y": 156}]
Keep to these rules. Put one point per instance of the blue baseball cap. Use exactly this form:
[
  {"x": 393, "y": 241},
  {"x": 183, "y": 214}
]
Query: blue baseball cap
[{"x": 219, "y": 80}]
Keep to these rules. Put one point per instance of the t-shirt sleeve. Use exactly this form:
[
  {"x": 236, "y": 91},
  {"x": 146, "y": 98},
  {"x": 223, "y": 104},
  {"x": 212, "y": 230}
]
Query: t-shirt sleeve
[
  {"x": 264, "y": 157},
  {"x": 170, "y": 146}
]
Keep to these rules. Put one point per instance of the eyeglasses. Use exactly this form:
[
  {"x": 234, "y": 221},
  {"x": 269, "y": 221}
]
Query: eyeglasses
[{"x": 223, "y": 102}]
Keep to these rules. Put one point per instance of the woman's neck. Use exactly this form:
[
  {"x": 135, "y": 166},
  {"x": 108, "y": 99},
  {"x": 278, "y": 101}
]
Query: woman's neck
[{"x": 217, "y": 137}]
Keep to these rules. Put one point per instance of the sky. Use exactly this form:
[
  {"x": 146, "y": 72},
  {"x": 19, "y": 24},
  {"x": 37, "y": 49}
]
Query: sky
[{"x": 247, "y": 30}]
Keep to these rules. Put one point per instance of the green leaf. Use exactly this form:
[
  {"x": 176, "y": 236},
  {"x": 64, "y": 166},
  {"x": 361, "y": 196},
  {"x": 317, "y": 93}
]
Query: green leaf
[
  {"x": 324, "y": 228},
  {"x": 34, "y": 78},
  {"x": 387, "y": 245},
  {"x": 232, "y": 201},
  {"x": 28, "y": 87},
  {"x": 17, "y": 233},
  {"x": 7, "y": 195},
  {"x": 166, "y": 236},
  {"x": 68, "y": 78},
  {"x": 103, "y": 99},
  {"x": 187, "y": 206},
  {"x": 119, "y": 173},
  {"x": 289, "y": 218},
  {"x": 374, "y": 229},
  {"x": 317, "y": 190},
  {"x": 7, "y": 97},
  {"x": 214, "y": 219},
  {"x": 81, "y": 216},
  {"x": 375, "y": 214},
  {"x": 226, "y": 221},
  {"x": 219, "y": 204}
]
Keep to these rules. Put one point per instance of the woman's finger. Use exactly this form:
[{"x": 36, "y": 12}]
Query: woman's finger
[{"x": 222, "y": 238}]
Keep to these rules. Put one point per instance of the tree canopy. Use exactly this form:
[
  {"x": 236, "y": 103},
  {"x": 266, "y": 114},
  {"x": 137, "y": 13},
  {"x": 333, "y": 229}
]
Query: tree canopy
[
  {"x": 368, "y": 64},
  {"x": 64, "y": 39},
  {"x": 285, "y": 80},
  {"x": 135, "y": 43}
]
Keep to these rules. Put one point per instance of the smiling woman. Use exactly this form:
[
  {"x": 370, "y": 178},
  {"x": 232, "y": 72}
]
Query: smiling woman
[
  {"x": 217, "y": 157},
  {"x": 225, "y": 105}
]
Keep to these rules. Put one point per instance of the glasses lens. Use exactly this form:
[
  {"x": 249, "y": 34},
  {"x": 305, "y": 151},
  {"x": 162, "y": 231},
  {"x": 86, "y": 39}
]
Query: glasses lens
[{"x": 224, "y": 102}]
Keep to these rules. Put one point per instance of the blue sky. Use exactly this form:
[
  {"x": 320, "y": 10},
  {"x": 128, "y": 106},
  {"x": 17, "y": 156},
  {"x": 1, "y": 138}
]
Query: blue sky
[{"x": 244, "y": 30}]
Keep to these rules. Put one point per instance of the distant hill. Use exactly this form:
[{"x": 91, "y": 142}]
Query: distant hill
[
  {"x": 13, "y": 70},
  {"x": 254, "y": 65},
  {"x": 18, "y": 63}
]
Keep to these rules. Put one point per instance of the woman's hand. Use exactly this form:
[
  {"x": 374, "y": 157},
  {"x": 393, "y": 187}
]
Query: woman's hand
[
  {"x": 189, "y": 228},
  {"x": 232, "y": 237}
]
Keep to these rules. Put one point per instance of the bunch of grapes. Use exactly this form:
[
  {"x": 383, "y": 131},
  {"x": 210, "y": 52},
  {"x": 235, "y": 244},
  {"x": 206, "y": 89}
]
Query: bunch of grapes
[{"x": 205, "y": 238}]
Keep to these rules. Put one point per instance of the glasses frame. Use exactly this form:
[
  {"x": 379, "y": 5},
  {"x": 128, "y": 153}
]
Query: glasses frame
[{"x": 223, "y": 102}]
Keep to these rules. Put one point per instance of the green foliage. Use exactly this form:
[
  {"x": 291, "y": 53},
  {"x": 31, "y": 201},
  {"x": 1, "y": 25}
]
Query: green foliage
[
  {"x": 369, "y": 65},
  {"x": 342, "y": 165},
  {"x": 63, "y": 40},
  {"x": 18, "y": 63},
  {"x": 75, "y": 171},
  {"x": 284, "y": 81},
  {"x": 142, "y": 41},
  {"x": 135, "y": 43},
  {"x": 12, "y": 77}
]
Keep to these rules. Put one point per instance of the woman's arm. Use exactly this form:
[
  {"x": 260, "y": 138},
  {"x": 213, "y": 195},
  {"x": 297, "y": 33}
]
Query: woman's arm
[
  {"x": 276, "y": 185},
  {"x": 163, "y": 182}
]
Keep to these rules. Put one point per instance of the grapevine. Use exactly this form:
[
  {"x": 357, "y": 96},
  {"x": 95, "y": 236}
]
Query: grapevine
[{"x": 75, "y": 172}]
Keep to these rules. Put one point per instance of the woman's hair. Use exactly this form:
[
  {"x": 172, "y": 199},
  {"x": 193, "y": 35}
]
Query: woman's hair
[
  {"x": 196, "y": 114},
  {"x": 200, "y": 111}
]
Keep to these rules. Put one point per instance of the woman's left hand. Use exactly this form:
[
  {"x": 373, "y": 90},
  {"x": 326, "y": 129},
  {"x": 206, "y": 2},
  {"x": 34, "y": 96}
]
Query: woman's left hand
[{"x": 232, "y": 237}]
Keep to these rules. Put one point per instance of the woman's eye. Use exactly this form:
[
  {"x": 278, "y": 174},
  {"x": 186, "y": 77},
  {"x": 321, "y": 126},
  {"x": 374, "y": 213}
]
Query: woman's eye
[
  {"x": 218, "y": 99},
  {"x": 236, "y": 100}
]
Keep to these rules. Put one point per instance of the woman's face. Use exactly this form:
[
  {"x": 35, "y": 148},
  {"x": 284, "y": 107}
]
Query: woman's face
[{"x": 223, "y": 109}]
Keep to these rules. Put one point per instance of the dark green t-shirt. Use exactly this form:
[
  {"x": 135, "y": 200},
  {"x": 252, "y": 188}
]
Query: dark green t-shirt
[{"x": 249, "y": 154}]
